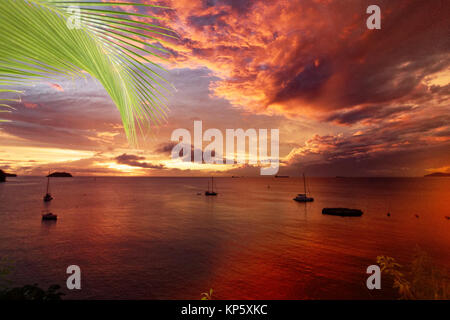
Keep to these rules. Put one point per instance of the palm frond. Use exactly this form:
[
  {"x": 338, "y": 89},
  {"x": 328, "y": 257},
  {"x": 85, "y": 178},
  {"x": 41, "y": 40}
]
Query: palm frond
[{"x": 115, "y": 47}]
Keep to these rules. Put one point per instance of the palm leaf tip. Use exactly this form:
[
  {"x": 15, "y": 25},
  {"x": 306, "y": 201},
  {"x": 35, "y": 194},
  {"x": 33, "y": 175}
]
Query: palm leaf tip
[{"x": 113, "y": 46}]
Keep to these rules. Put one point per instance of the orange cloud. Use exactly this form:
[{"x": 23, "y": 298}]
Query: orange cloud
[{"x": 309, "y": 57}]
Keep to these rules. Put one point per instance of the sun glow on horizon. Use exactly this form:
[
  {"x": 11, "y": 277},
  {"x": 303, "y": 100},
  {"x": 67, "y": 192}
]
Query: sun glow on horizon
[{"x": 42, "y": 154}]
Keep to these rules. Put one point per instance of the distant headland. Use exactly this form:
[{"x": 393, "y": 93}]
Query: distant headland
[
  {"x": 437, "y": 174},
  {"x": 4, "y": 174},
  {"x": 59, "y": 175}
]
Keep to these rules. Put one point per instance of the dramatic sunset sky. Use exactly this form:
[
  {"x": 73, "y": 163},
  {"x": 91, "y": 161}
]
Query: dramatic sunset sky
[{"x": 347, "y": 100}]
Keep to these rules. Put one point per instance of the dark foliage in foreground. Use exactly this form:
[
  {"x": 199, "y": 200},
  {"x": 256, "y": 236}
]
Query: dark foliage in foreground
[{"x": 32, "y": 292}]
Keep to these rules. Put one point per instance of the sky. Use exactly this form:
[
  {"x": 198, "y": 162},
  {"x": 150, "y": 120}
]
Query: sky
[{"x": 346, "y": 100}]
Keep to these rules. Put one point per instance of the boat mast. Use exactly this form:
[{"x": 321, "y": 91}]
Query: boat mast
[
  {"x": 212, "y": 184},
  {"x": 304, "y": 182},
  {"x": 48, "y": 183}
]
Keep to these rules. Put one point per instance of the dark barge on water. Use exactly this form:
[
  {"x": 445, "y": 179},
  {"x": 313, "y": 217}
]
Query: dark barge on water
[{"x": 342, "y": 212}]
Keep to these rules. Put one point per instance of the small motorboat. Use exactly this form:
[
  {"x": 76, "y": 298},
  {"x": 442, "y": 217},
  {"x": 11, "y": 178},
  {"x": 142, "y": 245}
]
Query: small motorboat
[
  {"x": 343, "y": 212},
  {"x": 49, "y": 216},
  {"x": 301, "y": 197}
]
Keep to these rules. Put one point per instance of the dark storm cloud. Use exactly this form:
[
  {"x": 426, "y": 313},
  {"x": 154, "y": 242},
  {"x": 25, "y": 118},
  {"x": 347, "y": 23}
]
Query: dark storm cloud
[
  {"x": 239, "y": 6},
  {"x": 388, "y": 148},
  {"x": 165, "y": 148},
  {"x": 373, "y": 112},
  {"x": 207, "y": 20},
  {"x": 369, "y": 67},
  {"x": 307, "y": 84},
  {"x": 292, "y": 55},
  {"x": 136, "y": 161}
]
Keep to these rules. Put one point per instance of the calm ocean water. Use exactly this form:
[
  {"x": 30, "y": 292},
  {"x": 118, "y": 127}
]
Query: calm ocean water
[{"x": 155, "y": 238}]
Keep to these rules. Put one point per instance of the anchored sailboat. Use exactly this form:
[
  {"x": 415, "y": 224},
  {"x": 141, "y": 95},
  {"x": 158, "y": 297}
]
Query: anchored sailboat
[
  {"x": 303, "y": 197},
  {"x": 48, "y": 197},
  {"x": 211, "y": 192},
  {"x": 49, "y": 216}
]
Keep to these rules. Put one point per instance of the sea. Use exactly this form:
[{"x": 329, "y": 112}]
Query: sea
[{"x": 162, "y": 238}]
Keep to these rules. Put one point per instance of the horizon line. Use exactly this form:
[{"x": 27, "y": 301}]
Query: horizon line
[{"x": 221, "y": 176}]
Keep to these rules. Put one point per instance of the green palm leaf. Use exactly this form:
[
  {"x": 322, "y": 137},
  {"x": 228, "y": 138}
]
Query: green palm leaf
[{"x": 112, "y": 46}]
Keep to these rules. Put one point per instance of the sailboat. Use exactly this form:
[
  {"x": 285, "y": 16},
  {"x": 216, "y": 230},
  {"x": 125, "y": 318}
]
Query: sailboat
[
  {"x": 49, "y": 216},
  {"x": 303, "y": 197},
  {"x": 48, "y": 197},
  {"x": 211, "y": 192}
]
